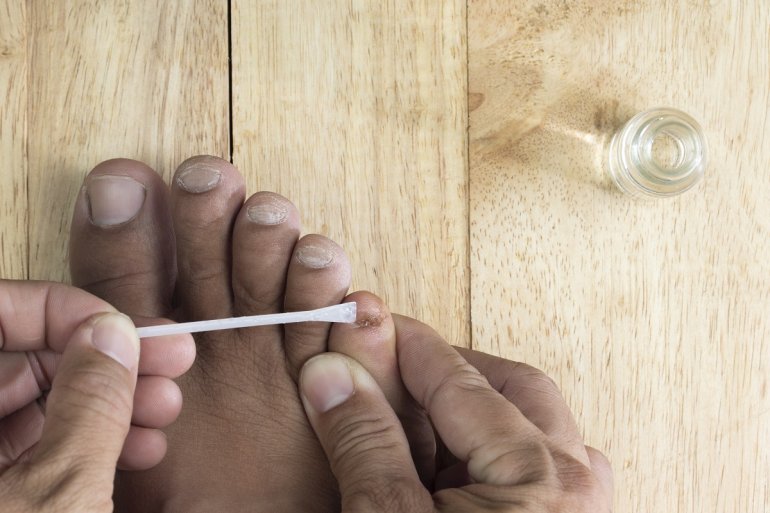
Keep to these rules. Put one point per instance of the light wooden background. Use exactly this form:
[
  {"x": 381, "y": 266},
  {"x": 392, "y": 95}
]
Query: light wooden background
[{"x": 497, "y": 227}]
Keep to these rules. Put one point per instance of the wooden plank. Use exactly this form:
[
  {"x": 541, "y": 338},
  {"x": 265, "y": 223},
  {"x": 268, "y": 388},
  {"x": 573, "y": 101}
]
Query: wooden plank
[
  {"x": 356, "y": 111},
  {"x": 13, "y": 119},
  {"x": 653, "y": 316},
  {"x": 132, "y": 79}
]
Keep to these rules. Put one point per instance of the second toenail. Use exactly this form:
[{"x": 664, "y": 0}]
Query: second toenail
[
  {"x": 113, "y": 199},
  {"x": 198, "y": 178},
  {"x": 315, "y": 257},
  {"x": 268, "y": 211}
]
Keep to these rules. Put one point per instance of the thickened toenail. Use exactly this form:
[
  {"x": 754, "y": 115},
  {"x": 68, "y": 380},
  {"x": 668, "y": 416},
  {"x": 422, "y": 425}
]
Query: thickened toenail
[
  {"x": 315, "y": 257},
  {"x": 198, "y": 178},
  {"x": 113, "y": 199},
  {"x": 269, "y": 210}
]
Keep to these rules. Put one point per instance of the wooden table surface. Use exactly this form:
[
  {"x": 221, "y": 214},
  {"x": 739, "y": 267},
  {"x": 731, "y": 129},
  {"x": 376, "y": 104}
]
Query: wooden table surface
[{"x": 455, "y": 149}]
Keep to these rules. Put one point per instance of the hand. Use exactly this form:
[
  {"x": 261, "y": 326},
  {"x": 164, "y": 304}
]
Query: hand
[
  {"x": 61, "y": 455},
  {"x": 500, "y": 456}
]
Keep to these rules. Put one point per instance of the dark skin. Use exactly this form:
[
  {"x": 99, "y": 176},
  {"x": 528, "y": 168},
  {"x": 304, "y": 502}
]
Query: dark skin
[{"x": 199, "y": 251}]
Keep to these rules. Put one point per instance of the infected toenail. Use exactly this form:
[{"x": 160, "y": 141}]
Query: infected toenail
[
  {"x": 315, "y": 257},
  {"x": 113, "y": 199},
  {"x": 268, "y": 211},
  {"x": 370, "y": 320},
  {"x": 198, "y": 178}
]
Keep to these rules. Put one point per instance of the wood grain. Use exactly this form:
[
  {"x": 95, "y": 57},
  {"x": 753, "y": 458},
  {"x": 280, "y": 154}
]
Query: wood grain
[
  {"x": 653, "y": 316},
  {"x": 135, "y": 79},
  {"x": 356, "y": 111},
  {"x": 13, "y": 140}
]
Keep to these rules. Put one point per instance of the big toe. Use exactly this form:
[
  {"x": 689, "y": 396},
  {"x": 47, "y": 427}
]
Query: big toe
[{"x": 121, "y": 240}]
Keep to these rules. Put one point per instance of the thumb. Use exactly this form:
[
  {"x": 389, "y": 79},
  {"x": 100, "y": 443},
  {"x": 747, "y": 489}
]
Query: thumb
[
  {"x": 88, "y": 411},
  {"x": 361, "y": 436}
]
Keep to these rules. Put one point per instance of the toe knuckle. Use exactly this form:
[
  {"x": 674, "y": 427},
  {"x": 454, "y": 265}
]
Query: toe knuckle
[{"x": 257, "y": 298}]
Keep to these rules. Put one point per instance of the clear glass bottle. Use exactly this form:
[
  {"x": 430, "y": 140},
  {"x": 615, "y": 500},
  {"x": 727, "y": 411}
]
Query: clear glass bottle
[{"x": 658, "y": 153}]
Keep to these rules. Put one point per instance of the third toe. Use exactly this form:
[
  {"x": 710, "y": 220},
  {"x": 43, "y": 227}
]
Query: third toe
[
  {"x": 319, "y": 275},
  {"x": 266, "y": 230}
]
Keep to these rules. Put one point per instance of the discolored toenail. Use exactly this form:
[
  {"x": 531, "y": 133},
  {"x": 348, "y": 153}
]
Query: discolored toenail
[
  {"x": 315, "y": 257},
  {"x": 113, "y": 199},
  {"x": 370, "y": 319},
  {"x": 198, "y": 178},
  {"x": 269, "y": 210}
]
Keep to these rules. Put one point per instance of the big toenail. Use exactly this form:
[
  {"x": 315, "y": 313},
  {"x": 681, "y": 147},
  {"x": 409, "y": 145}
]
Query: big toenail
[
  {"x": 315, "y": 257},
  {"x": 269, "y": 210},
  {"x": 198, "y": 178},
  {"x": 113, "y": 200}
]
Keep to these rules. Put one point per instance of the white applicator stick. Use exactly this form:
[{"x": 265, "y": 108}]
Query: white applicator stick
[{"x": 346, "y": 312}]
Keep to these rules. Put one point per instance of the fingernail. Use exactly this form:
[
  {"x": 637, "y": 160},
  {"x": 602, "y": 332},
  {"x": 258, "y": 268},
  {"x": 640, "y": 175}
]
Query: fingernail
[
  {"x": 113, "y": 199},
  {"x": 269, "y": 210},
  {"x": 326, "y": 382},
  {"x": 198, "y": 178},
  {"x": 314, "y": 257},
  {"x": 115, "y": 335}
]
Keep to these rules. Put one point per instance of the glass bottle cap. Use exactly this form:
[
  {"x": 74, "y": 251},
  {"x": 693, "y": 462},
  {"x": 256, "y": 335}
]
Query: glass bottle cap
[{"x": 659, "y": 152}]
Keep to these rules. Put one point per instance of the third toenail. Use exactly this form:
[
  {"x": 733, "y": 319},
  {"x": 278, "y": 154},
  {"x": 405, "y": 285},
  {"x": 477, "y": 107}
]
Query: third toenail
[
  {"x": 315, "y": 257},
  {"x": 268, "y": 211},
  {"x": 113, "y": 199},
  {"x": 198, "y": 178}
]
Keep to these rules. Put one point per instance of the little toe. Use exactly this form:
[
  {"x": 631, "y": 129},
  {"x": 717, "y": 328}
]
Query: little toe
[
  {"x": 266, "y": 230},
  {"x": 121, "y": 241},
  {"x": 319, "y": 275},
  {"x": 371, "y": 341},
  {"x": 207, "y": 193}
]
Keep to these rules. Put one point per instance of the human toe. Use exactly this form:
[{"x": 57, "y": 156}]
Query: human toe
[
  {"x": 266, "y": 231},
  {"x": 121, "y": 243},
  {"x": 319, "y": 275},
  {"x": 371, "y": 341},
  {"x": 207, "y": 193}
]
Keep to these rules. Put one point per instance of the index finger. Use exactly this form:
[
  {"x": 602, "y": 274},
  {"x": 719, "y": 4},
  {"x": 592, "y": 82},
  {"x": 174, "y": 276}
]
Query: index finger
[
  {"x": 475, "y": 422},
  {"x": 37, "y": 315},
  {"x": 42, "y": 316},
  {"x": 536, "y": 396}
]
